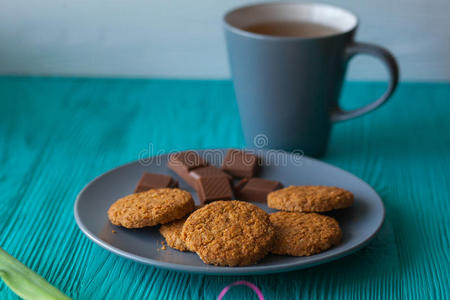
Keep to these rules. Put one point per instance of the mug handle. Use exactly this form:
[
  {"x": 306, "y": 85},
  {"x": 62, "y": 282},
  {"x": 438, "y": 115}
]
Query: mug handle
[{"x": 388, "y": 59}]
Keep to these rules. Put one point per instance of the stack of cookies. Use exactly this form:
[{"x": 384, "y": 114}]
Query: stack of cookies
[{"x": 229, "y": 232}]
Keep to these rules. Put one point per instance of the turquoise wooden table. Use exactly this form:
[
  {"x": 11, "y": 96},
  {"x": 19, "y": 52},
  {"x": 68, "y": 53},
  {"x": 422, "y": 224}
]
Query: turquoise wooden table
[{"x": 58, "y": 134}]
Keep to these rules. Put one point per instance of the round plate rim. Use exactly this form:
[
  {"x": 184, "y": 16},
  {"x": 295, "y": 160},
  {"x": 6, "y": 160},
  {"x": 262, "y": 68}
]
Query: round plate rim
[{"x": 229, "y": 271}]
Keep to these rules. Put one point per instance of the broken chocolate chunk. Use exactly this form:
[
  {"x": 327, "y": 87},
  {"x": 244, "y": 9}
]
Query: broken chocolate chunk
[
  {"x": 207, "y": 172},
  {"x": 154, "y": 181},
  {"x": 183, "y": 162},
  {"x": 213, "y": 188},
  {"x": 240, "y": 163},
  {"x": 256, "y": 189},
  {"x": 186, "y": 161}
]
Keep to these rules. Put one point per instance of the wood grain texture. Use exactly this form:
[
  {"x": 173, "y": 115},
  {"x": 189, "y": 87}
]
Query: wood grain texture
[{"x": 58, "y": 134}]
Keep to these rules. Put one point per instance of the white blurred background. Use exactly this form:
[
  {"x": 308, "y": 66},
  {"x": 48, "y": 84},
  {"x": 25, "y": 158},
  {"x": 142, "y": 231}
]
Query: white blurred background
[{"x": 184, "y": 39}]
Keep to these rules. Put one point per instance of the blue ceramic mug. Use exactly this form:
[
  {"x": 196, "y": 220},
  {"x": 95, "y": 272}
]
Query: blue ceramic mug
[{"x": 288, "y": 87}]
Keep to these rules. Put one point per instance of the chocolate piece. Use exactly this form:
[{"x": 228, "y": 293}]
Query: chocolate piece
[
  {"x": 240, "y": 163},
  {"x": 240, "y": 184},
  {"x": 186, "y": 161},
  {"x": 256, "y": 189},
  {"x": 214, "y": 188},
  {"x": 154, "y": 181},
  {"x": 208, "y": 172},
  {"x": 183, "y": 162}
]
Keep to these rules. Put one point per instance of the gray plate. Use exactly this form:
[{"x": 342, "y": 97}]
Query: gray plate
[{"x": 359, "y": 223}]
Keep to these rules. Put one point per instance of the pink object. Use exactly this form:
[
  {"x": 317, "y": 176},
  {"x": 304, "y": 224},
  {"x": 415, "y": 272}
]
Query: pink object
[{"x": 241, "y": 282}]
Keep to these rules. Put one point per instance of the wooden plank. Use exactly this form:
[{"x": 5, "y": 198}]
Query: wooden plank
[{"x": 58, "y": 134}]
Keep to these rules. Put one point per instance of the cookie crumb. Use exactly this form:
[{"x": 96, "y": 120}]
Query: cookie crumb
[
  {"x": 163, "y": 246},
  {"x": 113, "y": 231}
]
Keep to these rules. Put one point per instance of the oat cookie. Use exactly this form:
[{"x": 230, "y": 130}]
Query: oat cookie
[
  {"x": 172, "y": 233},
  {"x": 310, "y": 198},
  {"x": 229, "y": 233},
  {"x": 150, "y": 208},
  {"x": 304, "y": 234}
]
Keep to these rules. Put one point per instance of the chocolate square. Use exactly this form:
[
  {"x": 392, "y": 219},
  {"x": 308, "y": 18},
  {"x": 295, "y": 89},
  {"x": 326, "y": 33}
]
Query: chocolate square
[
  {"x": 214, "y": 188},
  {"x": 255, "y": 189},
  {"x": 154, "y": 181},
  {"x": 186, "y": 161},
  {"x": 240, "y": 163},
  {"x": 183, "y": 162},
  {"x": 208, "y": 172}
]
